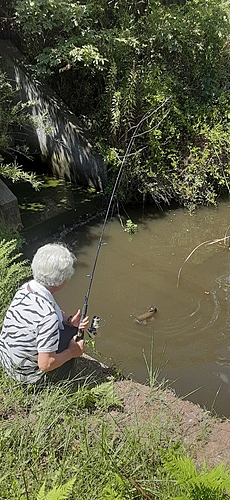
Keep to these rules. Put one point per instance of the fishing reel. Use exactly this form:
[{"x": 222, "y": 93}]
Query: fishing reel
[
  {"x": 93, "y": 328},
  {"x": 95, "y": 325}
]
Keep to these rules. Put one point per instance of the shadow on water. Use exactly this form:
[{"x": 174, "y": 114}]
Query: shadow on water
[
  {"x": 55, "y": 211},
  {"x": 188, "y": 341}
]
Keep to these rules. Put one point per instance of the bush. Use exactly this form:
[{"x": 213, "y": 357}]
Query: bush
[
  {"x": 113, "y": 62},
  {"x": 13, "y": 272}
]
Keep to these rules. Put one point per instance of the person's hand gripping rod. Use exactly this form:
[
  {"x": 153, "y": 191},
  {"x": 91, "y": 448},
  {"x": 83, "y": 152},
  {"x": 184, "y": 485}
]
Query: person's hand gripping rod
[{"x": 80, "y": 333}]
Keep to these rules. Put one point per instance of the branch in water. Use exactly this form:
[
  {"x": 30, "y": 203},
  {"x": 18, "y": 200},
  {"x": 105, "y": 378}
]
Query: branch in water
[{"x": 209, "y": 242}]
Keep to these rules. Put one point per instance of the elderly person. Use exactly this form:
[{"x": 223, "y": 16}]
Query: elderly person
[{"x": 37, "y": 337}]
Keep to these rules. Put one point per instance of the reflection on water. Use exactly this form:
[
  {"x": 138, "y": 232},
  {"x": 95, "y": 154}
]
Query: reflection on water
[{"x": 190, "y": 335}]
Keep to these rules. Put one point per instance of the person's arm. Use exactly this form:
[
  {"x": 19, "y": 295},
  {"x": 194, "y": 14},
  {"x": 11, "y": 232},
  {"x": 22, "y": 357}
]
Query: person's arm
[{"x": 48, "y": 361}]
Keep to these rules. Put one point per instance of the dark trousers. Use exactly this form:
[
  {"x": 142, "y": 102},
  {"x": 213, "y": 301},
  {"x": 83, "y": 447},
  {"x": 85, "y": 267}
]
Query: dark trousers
[{"x": 65, "y": 371}]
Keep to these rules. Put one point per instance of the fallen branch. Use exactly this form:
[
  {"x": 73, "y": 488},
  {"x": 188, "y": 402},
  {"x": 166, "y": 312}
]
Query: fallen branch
[
  {"x": 137, "y": 486},
  {"x": 209, "y": 242}
]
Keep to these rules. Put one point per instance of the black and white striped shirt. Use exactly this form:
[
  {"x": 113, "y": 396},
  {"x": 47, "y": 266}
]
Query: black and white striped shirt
[{"x": 31, "y": 325}]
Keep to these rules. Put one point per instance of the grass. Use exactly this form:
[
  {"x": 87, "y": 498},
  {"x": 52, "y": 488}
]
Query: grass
[
  {"x": 61, "y": 433},
  {"x": 67, "y": 439}
]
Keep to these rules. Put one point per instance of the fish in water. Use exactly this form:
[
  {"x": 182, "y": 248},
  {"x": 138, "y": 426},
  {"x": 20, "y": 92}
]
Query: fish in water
[{"x": 147, "y": 316}]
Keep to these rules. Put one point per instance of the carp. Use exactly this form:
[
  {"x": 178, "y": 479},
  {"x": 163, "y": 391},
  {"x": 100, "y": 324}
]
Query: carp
[{"x": 147, "y": 316}]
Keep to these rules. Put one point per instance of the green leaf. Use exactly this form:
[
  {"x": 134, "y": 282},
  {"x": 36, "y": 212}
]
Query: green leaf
[
  {"x": 58, "y": 492},
  {"x": 105, "y": 395}
]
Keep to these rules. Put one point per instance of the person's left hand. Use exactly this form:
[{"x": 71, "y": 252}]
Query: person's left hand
[{"x": 75, "y": 321}]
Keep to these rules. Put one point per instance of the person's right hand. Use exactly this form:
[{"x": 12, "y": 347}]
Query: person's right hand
[{"x": 76, "y": 347}]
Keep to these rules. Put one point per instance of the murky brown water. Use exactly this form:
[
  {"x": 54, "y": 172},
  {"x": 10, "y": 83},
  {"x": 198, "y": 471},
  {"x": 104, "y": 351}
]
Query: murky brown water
[{"x": 189, "y": 341}]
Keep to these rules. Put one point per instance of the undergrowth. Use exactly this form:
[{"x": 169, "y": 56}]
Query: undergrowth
[
  {"x": 13, "y": 271},
  {"x": 66, "y": 441}
]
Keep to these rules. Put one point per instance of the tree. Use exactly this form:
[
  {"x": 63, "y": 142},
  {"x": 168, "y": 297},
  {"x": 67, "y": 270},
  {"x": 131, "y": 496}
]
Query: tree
[{"x": 112, "y": 62}]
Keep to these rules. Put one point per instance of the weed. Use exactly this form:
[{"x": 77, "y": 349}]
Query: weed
[
  {"x": 194, "y": 485},
  {"x": 71, "y": 442},
  {"x": 130, "y": 227}
]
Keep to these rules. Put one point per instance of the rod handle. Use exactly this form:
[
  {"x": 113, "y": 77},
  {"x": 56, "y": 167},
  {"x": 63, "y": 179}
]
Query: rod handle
[{"x": 80, "y": 333}]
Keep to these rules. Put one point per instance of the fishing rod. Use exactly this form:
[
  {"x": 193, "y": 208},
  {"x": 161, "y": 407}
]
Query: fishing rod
[{"x": 95, "y": 322}]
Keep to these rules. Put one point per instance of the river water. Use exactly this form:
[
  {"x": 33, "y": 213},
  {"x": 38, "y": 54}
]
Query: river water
[{"x": 188, "y": 344}]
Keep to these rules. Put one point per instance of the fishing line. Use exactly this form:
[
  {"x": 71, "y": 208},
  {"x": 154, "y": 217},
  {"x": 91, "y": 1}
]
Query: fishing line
[{"x": 80, "y": 333}]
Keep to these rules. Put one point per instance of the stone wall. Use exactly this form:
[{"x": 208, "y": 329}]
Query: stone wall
[
  {"x": 9, "y": 209},
  {"x": 67, "y": 149}
]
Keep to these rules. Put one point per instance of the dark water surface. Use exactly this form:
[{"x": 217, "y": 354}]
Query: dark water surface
[{"x": 189, "y": 341}]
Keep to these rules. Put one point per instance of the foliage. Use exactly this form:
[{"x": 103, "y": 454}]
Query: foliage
[
  {"x": 13, "y": 114},
  {"x": 51, "y": 443},
  {"x": 13, "y": 272},
  {"x": 112, "y": 62},
  {"x": 207, "y": 485},
  {"x": 48, "y": 438},
  {"x": 9, "y": 233},
  {"x": 16, "y": 173},
  {"x": 115, "y": 491},
  {"x": 105, "y": 396},
  {"x": 57, "y": 492},
  {"x": 130, "y": 227},
  {"x": 101, "y": 396},
  {"x": 53, "y": 446}
]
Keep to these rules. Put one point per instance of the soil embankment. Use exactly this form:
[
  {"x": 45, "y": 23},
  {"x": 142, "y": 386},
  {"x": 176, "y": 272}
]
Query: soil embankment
[{"x": 206, "y": 436}]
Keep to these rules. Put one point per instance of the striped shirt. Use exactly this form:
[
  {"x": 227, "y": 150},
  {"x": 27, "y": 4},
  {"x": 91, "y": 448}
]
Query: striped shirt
[{"x": 31, "y": 325}]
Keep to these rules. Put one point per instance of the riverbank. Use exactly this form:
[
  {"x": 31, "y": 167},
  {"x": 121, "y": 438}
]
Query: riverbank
[
  {"x": 206, "y": 436},
  {"x": 107, "y": 436}
]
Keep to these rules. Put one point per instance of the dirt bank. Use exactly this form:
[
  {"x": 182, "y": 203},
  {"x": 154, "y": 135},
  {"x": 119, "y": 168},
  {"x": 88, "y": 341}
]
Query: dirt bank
[{"x": 206, "y": 436}]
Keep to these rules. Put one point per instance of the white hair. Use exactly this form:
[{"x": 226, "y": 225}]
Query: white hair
[{"x": 53, "y": 264}]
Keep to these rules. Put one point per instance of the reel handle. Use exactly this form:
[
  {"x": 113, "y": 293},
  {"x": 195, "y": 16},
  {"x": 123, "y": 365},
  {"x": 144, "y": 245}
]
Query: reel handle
[{"x": 80, "y": 333}]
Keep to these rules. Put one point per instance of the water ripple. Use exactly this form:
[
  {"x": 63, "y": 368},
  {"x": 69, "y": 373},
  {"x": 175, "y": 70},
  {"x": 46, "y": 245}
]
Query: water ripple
[{"x": 216, "y": 312}]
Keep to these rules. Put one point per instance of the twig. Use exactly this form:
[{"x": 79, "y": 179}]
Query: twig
[
  {"x": 209, "y": 242},
  {"x": 137, "y": 486},
  {"x": 119, "y": 217},
  {"x": 148, "y": 116},
  {"x": 154, "y": 126}
]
